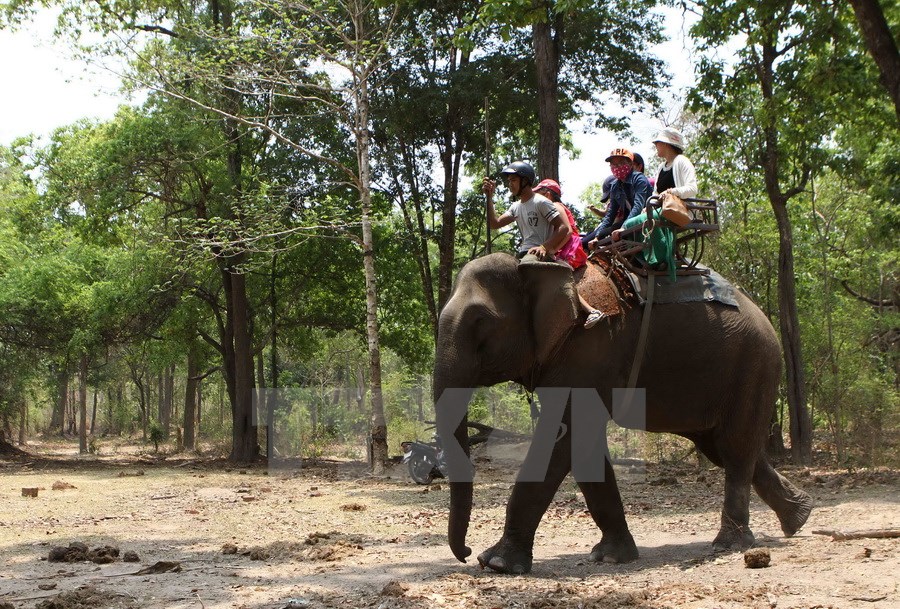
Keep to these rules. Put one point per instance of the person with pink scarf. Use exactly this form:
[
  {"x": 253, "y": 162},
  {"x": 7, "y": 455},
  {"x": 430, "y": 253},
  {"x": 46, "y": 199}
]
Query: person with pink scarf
[{"x": 571, "y": 251}]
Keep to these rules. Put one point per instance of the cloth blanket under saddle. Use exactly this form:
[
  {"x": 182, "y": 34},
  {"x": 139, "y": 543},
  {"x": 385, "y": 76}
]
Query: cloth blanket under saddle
[
  {"x": 710, "y": 287},
  {"x": 626, "y": 289}
]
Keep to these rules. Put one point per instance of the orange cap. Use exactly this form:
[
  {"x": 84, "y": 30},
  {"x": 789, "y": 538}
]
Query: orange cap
[{"x": 622, "y": 152}]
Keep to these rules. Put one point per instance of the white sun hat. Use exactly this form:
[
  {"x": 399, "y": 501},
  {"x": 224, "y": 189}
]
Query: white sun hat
[{"x": 671, "y": 136}]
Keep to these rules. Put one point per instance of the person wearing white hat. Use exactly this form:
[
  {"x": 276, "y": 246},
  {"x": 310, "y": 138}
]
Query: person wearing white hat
[{"x": 677, "y": 175}]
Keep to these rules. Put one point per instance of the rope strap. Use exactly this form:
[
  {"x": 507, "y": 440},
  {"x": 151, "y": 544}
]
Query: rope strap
[{"x": 645, "y": 330}]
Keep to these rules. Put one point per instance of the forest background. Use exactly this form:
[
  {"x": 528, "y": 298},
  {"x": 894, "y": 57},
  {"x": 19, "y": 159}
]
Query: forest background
[{"x": 287, "y": 207}]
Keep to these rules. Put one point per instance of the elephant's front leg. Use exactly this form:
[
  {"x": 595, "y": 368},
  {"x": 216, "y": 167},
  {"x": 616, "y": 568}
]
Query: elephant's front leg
[{"x": 526, "y": 507}]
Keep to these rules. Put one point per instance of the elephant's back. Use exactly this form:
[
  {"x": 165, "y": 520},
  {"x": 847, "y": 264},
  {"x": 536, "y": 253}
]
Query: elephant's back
[
  {"x": 712, "y": 355},
  {"x": 711, "y": 333}
]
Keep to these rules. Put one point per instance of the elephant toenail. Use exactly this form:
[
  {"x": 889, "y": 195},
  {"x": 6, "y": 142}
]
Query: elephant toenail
[
  {"x": 497, "y": 563},
  {"x": 518, "y": 569}
]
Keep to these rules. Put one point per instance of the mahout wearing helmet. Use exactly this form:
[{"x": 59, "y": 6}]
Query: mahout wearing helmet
[{"x": 521, "y": 169}]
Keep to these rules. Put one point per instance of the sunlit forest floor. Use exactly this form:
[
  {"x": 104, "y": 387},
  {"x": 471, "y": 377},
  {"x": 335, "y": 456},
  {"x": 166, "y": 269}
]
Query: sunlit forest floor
[{"x": 207, "y": 534}]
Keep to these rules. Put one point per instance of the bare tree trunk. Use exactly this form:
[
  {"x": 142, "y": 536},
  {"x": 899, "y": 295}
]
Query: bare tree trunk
[
  {"x": 775, "y": 441},
  {"x": 199, "y": 409},
  {"x": 360, "y": 389},
  {"x": 788, "y": 318},
  {"x": 272, "y": 403},
  {"x": 142, "y": 400},
  {"x": 120, "y": 401},
  {"x": 418, "y": 232},
  {"x": 168, "y": 399},
  {"x": 789, "y": 324},
  {"x": 174, "y": 412},
  {"x": 262, "y": 398},
  {"x": 451, "y": 159},
  {"x": 23, "y": 421},
  {"x": 546, "y": 44},
  {"x": 190, "y": 401},
  {"x": 6, "y": 432},
  {"x": 82, "y": 406},
  {"x": 236, "y": 345},
  {"x": 57, "y": 420},
  {"x": 378, "y": 424},
  {"x": 145, "y": 411},
  {"x": 160, "y": 396},
  {"x": 110, "y": 401},
  {"x": 94, "y": 415},
  {"x": 72, "y": 412},
  {"x": 245, "y": 441},
  {"x": 881, "y": 45}
]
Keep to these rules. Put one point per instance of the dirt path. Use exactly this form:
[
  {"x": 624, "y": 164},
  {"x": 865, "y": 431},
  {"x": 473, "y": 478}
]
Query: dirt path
[{"x": 330, "y": 536}]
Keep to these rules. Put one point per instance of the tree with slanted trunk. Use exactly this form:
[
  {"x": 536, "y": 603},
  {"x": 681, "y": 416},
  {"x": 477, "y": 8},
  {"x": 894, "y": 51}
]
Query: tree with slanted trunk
[
  {"x": 881, "y": 43},
  {"x": 778, "y": 103},
  {"x": 432, "y": 100}
]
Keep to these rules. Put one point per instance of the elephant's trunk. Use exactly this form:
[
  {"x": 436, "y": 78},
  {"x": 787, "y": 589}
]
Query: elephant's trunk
[
  {"x": 458, "y": 525},
  {"x": 460, "y": 484}
]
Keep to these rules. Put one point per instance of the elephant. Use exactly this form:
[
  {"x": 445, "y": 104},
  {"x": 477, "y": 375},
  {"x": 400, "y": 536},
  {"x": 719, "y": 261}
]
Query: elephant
[{"x": 710, "y": 372}]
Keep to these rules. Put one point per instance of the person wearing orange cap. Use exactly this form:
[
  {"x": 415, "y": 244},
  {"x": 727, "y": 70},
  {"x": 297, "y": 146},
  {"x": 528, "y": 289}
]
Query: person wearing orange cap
[{"x": 627, "y": 196}]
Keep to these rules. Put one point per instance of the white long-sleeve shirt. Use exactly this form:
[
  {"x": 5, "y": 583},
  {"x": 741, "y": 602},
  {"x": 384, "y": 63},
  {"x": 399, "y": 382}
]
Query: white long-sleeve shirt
[{"x": 684, "y": 175}]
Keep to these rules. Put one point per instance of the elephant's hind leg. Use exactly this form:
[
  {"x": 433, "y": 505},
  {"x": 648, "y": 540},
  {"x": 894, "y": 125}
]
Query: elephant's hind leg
[
  {"x": 734, "y": 532},
  {"x": 791, "y": 505},
  {"x": 605, "y": 505}
]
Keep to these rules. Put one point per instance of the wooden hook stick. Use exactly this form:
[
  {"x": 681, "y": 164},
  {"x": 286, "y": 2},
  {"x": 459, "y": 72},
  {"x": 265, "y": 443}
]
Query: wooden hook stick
[
  {"x": 487, "y": 172},
  {"x": 872, "y": 533}
]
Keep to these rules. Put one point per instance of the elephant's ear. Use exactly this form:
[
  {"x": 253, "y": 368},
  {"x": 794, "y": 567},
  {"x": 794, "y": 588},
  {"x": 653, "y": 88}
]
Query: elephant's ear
[{"x": 553, "y": 304}]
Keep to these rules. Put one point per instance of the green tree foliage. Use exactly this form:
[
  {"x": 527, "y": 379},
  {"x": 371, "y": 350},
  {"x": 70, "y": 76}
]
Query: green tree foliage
[
  {"x": 583, "y": 53},
  {"x": 785, "y": 122},
  {"x": 776, "y": 105},
  {"x": 465, "y": 83},
  {"x": 217, "y": 230}
]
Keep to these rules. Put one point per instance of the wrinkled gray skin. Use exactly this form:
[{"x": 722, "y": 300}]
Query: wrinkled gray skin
[{"x": 710, "y": 371}]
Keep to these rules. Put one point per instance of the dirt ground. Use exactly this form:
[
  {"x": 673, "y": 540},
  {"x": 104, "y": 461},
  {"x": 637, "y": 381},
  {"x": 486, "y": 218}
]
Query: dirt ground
[{"x": 208, "y": 535}]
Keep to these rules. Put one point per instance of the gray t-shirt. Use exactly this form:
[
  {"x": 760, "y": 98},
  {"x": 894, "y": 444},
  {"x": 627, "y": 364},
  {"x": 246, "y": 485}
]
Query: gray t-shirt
[{"x": 533, "y": 217}]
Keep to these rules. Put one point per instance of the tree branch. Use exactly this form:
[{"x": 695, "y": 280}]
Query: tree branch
[
  {"x": 209, "y": 339},
  {"x": 866, "y": 299}
]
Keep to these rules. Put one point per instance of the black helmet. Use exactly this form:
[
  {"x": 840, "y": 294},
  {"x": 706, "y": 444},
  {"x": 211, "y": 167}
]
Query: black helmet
[{"x": 521, "y": 169}]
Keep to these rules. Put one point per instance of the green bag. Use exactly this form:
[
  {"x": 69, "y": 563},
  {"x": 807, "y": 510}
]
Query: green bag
[{"x": 662, "y": 244}]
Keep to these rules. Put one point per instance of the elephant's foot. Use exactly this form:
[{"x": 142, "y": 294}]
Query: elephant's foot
[
  {"x": 795, "y": 515},
  {"x": 616, "y": 549},
  {"x": 506, "y": 557},
  {"x": 733, "y": 539}
]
